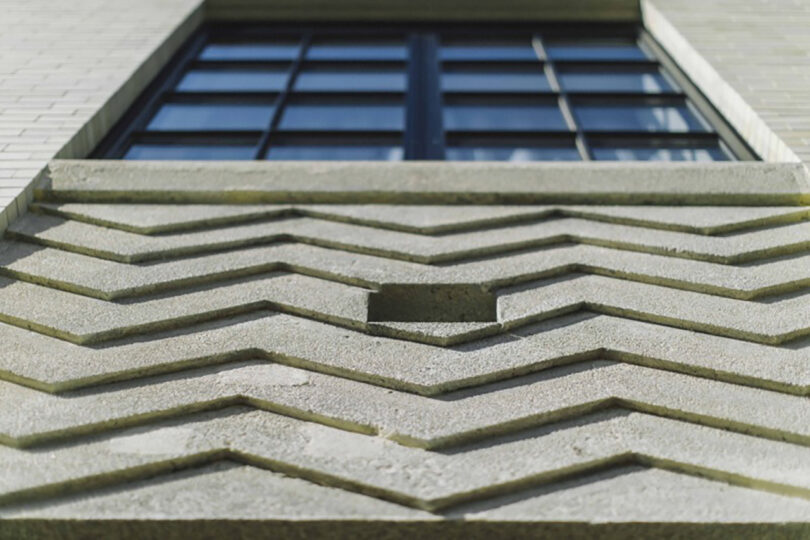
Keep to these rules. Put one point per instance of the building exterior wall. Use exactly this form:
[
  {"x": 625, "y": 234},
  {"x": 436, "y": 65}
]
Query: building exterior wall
[
  {"x": 68, "y": 70},
  {"x": 751, "y": 58},
  {"x": 289, "y": 347}
]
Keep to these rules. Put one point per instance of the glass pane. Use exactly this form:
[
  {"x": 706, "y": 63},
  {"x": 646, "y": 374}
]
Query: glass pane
[
  {"x": 503, "y": 153},
  {"x": 488, "y": 51},
  {"x": 233, "y": 81},
  {"x": 663, "y": 118},
  {"x": 494, "y": 81},
  {"x": 345, "y": 116},
  {"x": 176, "y": 151},
  {"x": 351, "y": 81},
  {"x": 595, "y": 50},
  {"x": 358, "y": 51},
  {"x": 605, "y": 81},
  {"x": 503, "y": 117},
  {"x": 250, "y": 51},
  {"x": 336, "y": 152},
  {"x": 660, "y": 154},
  {"x": 201, "y": 117}
]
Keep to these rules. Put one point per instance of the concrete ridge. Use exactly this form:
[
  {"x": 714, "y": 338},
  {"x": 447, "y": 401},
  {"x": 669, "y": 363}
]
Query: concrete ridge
[
  {"x": 428, "y": 220},
  {"x": 90, "y": 320},
  {"x": 112, "y": 280},
  {"x": 53, "y": 365},
  {"x": 557, "y": 452},
  {"x": 130, "y": 247},
  {"x": 31, "y": 418}
]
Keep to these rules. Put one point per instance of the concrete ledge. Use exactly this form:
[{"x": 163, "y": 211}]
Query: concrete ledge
[
  {"x": 426, "y": 183},
  {"x": 425, "y": 10}
]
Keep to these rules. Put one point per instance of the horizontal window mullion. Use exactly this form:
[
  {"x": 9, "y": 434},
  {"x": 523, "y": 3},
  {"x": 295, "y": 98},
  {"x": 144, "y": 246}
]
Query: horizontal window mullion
[
  {"x": 216, "y": 136},
  {"x": 598, "y": 66},
  {"x": 645, "y": 138},
  {"x": 627, "y": 98},
  {"x": 231, "y": 98}
]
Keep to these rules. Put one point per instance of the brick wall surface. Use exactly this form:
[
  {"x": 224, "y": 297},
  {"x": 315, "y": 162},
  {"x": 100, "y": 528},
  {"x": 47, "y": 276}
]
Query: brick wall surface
[
  {"x": 755, "y": 64},
  {"x": 63, "y": 68}
]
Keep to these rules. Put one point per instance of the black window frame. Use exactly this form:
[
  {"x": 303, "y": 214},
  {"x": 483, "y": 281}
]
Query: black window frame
[{"x": 423, "y": 137}]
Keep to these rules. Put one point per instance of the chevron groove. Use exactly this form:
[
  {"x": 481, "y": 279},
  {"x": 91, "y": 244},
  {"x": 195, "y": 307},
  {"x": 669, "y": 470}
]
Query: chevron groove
[
  {"x": 143, "y": 338},
  {"x": 407, "y": 418},
  {"x": 162, "y": 218},
  {"x": 557, "y": 452},
  {"x": 54, "y": 365},
  {"x": 128, "y": 247},
  {"x": 110, "y": 280}
]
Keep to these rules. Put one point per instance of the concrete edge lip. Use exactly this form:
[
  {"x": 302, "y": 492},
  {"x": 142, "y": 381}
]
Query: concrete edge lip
[{"x": 743, "y": 183}]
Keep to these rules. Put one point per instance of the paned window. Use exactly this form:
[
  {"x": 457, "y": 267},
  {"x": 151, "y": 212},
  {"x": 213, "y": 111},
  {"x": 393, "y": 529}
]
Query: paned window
[{"x": 462, "y": 93}]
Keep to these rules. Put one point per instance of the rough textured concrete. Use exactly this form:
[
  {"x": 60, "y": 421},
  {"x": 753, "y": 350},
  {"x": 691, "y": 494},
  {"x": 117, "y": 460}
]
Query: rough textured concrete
[
  {"x": 590, "y": 367},
  {"x": 426, "y": 183}
]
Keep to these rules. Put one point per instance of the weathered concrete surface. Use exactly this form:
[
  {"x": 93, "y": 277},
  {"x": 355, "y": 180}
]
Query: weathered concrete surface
[
  {"x": 582, "y": 370},
  {"x": 745, "y": 183}
]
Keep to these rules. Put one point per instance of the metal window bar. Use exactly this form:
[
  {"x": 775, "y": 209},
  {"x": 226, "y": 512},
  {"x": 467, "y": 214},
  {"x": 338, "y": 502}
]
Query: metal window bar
[
  {"x": 564, "y": 103},
  {"x": 281, "y": 101}
]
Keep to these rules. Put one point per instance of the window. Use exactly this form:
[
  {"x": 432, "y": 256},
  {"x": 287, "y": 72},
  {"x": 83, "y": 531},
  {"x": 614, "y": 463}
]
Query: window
[{"x": 455, "y": 92}]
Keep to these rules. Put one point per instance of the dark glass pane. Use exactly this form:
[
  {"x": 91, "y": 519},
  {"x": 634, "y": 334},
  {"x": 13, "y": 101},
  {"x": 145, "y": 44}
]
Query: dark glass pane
[
  {"x": 504, "y": 153},
  {"x": 336, "y": 152},
  {"x": 212, "y": 117},
  {"x": 595, "y": 50},
  {"x": 351, "y": 81},
  {"x": 495, "y": 81},
  {"x": 488, "y": 51},
  {"x": 660, "y": 154},
  {"x": 250, "y": 51},
  {"x": 657, "y": 118},
  {"x": 507, "y": 117},
  {"x": 605, "y": 81},
  {"x": 344, "y": 116},
  {"x": 191, "y": 151},
  {"x": 233, "y": 81},
  {"x": 358, "y": 51}
]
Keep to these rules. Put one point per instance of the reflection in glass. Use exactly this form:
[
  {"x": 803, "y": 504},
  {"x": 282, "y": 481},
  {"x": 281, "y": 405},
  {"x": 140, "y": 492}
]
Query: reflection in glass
[
  {"x": 358, "y": 51},
  {"x": 211, "y": 117},
  {"x": 505, "y": 117},
  {"x": 250, "y": 51},
  {"x": 491, "y": 51},
  {"x": 488, "y": 81},
  {"x": 336, "y": 152},
  {"x": 346, "y": 116},
  {"x": 507, "y": 153},
  {"x": 233, "y": 81},
  {"x": 191, "y": 151},
  {"x": 604, "y": 81},
  {"x": 660, "y": 154},
  {"x": 658, "y": 118},
  {"x": 351, "y": 81},
  {"x": 604, "y": 50}
]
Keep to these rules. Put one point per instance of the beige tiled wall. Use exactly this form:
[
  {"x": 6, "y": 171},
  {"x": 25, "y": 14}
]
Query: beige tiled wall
[
  {"x": 67, "y": 69},
  {"x": 751, "y": 58}
]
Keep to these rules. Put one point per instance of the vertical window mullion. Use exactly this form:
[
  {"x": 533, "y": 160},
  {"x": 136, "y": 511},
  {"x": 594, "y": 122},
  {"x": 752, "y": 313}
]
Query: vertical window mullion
[
  {"x": 564, "y": 102},
  {"x": 283, "y": 97},
  {"x": 433, "y": 125},
  {"x": 414, "y": 139},
  {"x": 424, "y": 134}
]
